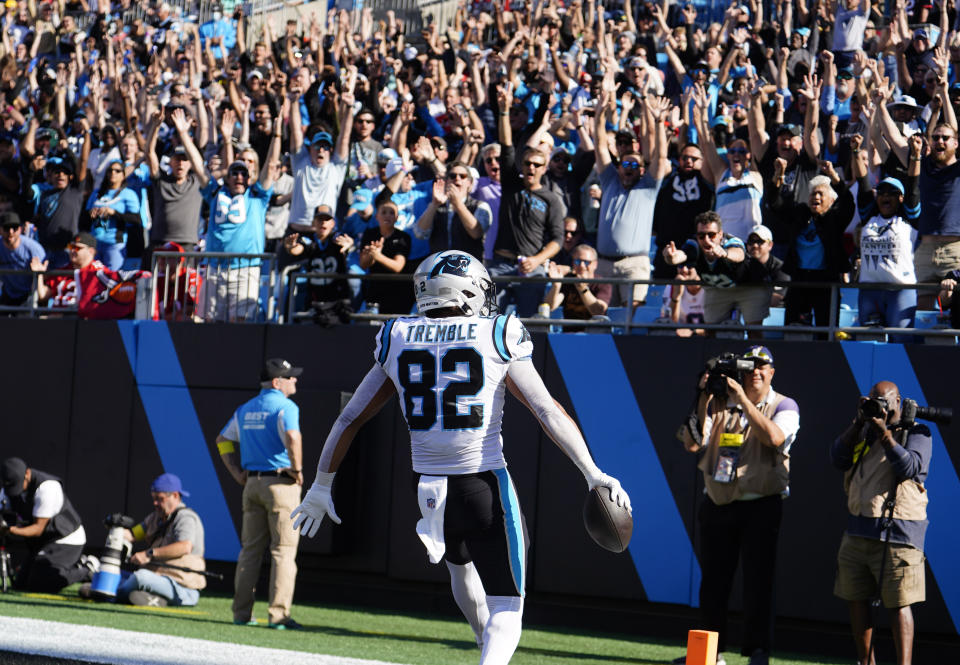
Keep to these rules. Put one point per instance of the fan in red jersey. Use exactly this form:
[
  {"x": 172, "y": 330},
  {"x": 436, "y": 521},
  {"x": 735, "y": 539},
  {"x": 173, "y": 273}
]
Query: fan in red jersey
[{"x": 96, "y": 291}]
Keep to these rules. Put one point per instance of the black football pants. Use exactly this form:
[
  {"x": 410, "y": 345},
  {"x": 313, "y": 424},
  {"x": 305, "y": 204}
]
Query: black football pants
[{"x": 51, "y": 569}]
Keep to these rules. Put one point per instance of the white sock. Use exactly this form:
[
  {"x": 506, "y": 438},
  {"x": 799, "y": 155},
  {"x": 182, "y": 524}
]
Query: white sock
[
  {"x": 470, "y": 597},
  {"x": 502, "y": 633}
]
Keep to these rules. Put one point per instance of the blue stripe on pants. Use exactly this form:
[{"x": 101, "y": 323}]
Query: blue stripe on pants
[{"x": 513, "y": 526}]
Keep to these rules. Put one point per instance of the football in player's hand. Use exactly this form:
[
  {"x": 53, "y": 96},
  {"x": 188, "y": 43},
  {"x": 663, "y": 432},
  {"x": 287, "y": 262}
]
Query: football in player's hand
[{"x": 608, "y": 524}]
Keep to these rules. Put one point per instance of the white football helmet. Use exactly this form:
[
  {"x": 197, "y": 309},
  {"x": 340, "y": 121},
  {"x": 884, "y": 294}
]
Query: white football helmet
[{"x": 454, "y": 279}]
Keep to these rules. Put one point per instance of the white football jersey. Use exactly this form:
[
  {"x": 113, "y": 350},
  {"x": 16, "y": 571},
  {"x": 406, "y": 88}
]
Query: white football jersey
[{"x": 450, "y": 375}]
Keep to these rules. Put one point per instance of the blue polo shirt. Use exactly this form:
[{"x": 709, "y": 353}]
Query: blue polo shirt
[{"x": 259, "y": 426}]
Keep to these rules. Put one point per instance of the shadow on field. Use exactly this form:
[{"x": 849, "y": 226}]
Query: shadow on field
[
  {"x": 465, "y": 645},
  {"x": 71, "y": 602},
  {"x": 14, "y": 658}
]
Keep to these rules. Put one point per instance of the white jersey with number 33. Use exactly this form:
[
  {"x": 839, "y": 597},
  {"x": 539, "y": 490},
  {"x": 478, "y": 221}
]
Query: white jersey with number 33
[{"x": 450, "y": 375}]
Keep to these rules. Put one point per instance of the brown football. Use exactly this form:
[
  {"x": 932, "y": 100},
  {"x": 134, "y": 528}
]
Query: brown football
[{"x": 608, "y": 524}]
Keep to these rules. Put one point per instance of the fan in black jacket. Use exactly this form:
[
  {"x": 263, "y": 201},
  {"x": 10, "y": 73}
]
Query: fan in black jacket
[{"x": 815, "y": 245}]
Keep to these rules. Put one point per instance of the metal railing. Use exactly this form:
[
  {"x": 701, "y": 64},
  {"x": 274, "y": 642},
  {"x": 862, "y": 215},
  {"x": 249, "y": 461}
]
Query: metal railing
[
  {"x": 832, "y": 329},
  {"x": 32, "y": 307},
  {"x": 222, "y": 286},
  {"x": 214, "y": 287}
]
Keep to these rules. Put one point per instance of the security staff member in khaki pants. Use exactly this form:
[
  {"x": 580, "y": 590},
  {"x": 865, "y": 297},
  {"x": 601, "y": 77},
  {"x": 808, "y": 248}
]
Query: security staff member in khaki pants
[{"x": 267, "y": 431}]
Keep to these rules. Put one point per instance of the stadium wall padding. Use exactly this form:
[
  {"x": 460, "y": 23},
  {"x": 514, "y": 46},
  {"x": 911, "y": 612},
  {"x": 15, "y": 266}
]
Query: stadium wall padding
[{"x": 110, "y": 405}]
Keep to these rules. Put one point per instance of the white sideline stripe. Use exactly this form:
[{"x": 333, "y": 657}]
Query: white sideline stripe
[{"x": 125, "y": 647}]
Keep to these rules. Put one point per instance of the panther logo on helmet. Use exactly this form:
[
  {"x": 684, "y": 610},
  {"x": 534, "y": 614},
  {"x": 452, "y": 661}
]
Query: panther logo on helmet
[{"x": 454, "y": 264}]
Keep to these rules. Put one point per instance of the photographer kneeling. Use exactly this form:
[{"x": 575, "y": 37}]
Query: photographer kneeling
[
  {"x": 172, "y": 563},
  {"x": 744, "y": 430},
  {"x": 49, "y": 524},
  {"x": 883, "y": 459}
]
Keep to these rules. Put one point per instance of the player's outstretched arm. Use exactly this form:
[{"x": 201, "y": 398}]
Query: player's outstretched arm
[
  {"x": 525, "y": 384},
  {"x": 372, "y": 393}
]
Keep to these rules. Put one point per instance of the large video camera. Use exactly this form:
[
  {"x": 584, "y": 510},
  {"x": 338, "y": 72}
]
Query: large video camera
[{"x": 726, "y": 365}]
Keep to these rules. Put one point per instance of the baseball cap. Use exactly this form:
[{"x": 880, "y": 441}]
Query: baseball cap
[
  {"x": 320, "y": 137},
  {"x": 394, "y": 166},
  {"x": 891, "y": 182},
  {"x": 278, "y": 368},
  {"x": 386, "y": 155},
  {"x": 409, "y": 53},
  {"x": 362, "y": 199},
  {"x": 239, "y": 165},
  {"x": 85, "y": 238},
  {"x": 168, "y": 482},
  {"x": 9, "y": 219},
  {"x": 179, "y": 152},
  {"x": 55, "y": 164},
  {"x": 762, "y": 232},
  {"x": 791, "y": 129},
  {"x": 845, "y": 73},
  {"x": 761, "y": 353},
  {"x": 921, "y": 33},
  {"x": 323, "y": 211},
  {"x": 12, "y": 473},
  {"x": 255, "y": 74},
  {"x": 636, "y": 62}
]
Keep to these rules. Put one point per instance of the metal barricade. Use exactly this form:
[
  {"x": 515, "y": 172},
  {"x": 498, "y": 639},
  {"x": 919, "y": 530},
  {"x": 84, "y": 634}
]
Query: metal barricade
[
  {"x": 836, "y": 328},
  {"x": 214, "y": 287},
  {"x": 32, "y": 307}
]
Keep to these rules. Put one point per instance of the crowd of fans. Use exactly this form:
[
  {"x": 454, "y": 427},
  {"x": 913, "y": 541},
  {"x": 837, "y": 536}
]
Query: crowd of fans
[{"x": 810, "y": 140}]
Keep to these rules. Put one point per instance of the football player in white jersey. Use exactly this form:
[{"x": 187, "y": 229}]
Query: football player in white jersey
[{"x": 450, "y": 367}]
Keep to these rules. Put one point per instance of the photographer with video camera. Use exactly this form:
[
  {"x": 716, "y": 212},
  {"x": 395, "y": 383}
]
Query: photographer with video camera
[
  {"x": 885, "y": 456},
  {"x": 49, "y": 524},
  {"x": 743, "y": 430}
]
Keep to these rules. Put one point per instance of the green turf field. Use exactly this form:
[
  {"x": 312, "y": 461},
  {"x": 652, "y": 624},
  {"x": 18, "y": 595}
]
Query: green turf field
[{"x": 342, "y": 631}]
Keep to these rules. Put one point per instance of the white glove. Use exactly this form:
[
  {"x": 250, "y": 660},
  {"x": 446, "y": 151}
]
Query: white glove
[
  {"x": 617, "y": 493},
  {"x": 317, "y": 504}
]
